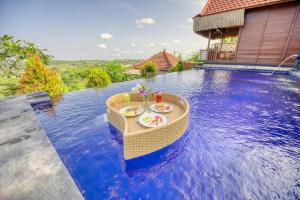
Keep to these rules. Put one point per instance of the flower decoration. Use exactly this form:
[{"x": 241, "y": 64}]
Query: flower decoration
[
  {"x": 142, "y": 90},
  {"x": 145, "y": 93}
]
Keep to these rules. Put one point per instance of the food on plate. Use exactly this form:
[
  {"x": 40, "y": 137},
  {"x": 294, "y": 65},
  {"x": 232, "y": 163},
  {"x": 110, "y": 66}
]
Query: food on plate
[
  {"x": 162, "y": 106},
  {"x": 150, "y": 119},
  {"x": 132, "y": 111}
]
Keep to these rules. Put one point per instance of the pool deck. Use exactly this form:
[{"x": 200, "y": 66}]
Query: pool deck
[{"x": 30, "y": 167}]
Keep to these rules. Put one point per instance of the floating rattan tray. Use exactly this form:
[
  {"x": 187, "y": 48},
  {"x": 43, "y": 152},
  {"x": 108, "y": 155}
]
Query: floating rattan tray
[{"x": 139, "y": 140}]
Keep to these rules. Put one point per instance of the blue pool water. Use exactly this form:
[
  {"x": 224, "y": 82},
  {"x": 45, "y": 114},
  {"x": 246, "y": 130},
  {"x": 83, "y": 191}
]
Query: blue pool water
[{"x": 243, "y": 140}]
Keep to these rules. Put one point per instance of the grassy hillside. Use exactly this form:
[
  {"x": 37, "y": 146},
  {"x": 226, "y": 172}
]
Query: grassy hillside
[{"x": 73, "y": 73}]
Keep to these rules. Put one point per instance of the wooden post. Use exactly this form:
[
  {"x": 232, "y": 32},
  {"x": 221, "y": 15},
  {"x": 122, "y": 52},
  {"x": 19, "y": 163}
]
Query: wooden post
[
  {"x": 208, "y": 44},
  {"x": 222, "y": 41},
  {"x": 262, "y": 35},
  {"x": 290, "y": 33},
  {"x": 237, "y": 45},
  {"x": 222, "y": 37}
]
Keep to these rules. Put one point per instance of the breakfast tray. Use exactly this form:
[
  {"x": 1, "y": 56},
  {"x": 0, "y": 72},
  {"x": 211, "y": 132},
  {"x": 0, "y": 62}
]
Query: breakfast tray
[{"x": 139, "y": 140}]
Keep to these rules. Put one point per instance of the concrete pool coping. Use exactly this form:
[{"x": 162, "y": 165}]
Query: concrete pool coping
[{"x": 30, "y": 167}]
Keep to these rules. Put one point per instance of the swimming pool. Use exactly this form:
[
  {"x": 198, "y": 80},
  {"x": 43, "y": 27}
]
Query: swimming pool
[{"x": 243, "y": 140}]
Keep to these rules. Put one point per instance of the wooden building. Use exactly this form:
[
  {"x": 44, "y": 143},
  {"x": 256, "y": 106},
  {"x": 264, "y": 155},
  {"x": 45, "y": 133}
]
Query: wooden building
[{"x": 262, "y": 31}]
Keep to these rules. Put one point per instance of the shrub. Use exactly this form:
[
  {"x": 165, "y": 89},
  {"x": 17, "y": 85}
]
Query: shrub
[
  {"x": 194, "y": 57},
  {"x": 174, "y": 69},
  {"x": 180, "y": 66},
  {"x": 116, "y": 71},
  {"x": 148, "y": 70},
  {"x": 75, "y": 78},
  {"x": 14, "y": 53},
  {"x": 38, "y": 77},
  {"x": 8, "y": 85},
  {"x": 98, "y": 78}
]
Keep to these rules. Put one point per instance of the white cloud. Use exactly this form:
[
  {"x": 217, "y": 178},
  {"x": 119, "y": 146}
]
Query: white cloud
[
  {"x": 176, "y": 41},
  {"x": 144, "y": 22},
  {"x": 106, "y": 36},
  {"x": 165, "y": 44},
  {"x": 102, "y": 46},
  {"x": 189, "y": 20},
  {"x": 141, "y": 51},
  {"x": 117, "y": 50},
  {"x": 132, "y": 44},
  {"x": 151, "y": 44}
]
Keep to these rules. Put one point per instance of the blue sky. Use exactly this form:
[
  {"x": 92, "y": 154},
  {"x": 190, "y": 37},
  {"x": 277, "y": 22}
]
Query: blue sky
[{"x": 103, "y": 29}]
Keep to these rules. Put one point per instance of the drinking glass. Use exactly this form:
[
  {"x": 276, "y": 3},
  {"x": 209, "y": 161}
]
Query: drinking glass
[{"x": 158, "y": 97}]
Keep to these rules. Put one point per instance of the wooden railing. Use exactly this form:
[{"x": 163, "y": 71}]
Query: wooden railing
[{"x": 216, "y": 55}]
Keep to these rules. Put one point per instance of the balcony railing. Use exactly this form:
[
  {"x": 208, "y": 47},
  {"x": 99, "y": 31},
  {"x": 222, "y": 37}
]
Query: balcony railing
[
  {"x": 225, "y": 52},
  {"x": 216, "y": 55}
]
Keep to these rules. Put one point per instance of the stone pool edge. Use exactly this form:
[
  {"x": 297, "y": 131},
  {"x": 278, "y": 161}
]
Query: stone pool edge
[{"x": 30, "y": 167}]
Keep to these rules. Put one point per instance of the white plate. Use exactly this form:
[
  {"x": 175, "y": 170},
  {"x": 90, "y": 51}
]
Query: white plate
[
  {"x": 151, "y": 117},
  {"x": 123, "y": 111},
  {"x": 155, "y": 109}
]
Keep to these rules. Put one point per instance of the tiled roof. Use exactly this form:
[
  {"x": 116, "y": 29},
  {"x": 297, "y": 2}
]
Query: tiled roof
[
  {"x": 163, "y": 60},
  {"x": 217, "y": 6}
]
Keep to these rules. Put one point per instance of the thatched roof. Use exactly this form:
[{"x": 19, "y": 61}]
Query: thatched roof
[{"x": 218, "y": 14}]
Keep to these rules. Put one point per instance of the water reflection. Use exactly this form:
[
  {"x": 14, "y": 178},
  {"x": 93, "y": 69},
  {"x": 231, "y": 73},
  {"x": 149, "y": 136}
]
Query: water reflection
[
  {"x": 150, "y": 162},
  {"x": 221, "y": 79}
]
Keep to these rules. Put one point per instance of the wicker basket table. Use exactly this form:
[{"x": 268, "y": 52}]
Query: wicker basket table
[{"x": 139, "y": 140}]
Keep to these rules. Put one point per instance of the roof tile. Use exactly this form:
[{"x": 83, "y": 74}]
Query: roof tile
[
  {"x": 216, "y": 6},
  {"x": 163, "y": 61}
]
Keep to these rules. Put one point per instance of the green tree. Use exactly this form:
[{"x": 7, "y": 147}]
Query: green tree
[
  {"x": 75, "y": 78},
  {"x": 195, "y": 57},
  {"x": 174, "y": 69},
  {"x": 180, "y": 66},
  {"x": 38, "y": 77},
  {"x": 14, "y": 53},
  {"x": 116, "y": 71},
  {"x": 98, "y": 78},
  {"x": 148, "y": 70},
  {"x": 230, "y": 40},
  {"x": 8, "y": 86}
]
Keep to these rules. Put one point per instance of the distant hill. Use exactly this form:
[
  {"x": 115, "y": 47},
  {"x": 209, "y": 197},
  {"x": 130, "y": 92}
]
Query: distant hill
[{"x": 83, "y": 63}]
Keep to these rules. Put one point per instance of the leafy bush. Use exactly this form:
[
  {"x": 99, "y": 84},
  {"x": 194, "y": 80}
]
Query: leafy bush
[
  {"x": 194, "y": 57},
  {"x": 98, "y": 78},
  {"x": 174, "y": 69},
  {"x": 8, "y": 85},
  {"x": 38, "y": 77},
  {"x": 230, "y": 40},
  {"x": 14, "y": 53},
  {"x": 180, "y": 66},
  {"x": 116, "y": 71},
  {"x": 148, "y": 70},
  {"x": 75, "y": 78}
]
